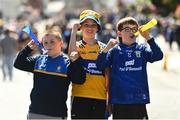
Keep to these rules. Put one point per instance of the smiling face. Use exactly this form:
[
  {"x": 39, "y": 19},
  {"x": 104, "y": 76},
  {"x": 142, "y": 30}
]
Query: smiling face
[
  {"x": 52, "y": 44},
  {"x": 89, "y": 29},
  {"x": 127, "y": 33}
]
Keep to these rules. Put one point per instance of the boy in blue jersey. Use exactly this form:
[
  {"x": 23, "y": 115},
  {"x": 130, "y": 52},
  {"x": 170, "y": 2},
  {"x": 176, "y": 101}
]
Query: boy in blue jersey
[
  {"x": 50, "y": 77},
  {"x": 128, "y": 83}
]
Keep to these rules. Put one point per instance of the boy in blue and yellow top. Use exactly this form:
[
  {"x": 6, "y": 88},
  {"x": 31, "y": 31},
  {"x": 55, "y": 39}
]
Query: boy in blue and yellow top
[
  {"x": 89, "y": 99},
  {"x": 50, "y": 85},
  {"x": 128, "y": 81}
]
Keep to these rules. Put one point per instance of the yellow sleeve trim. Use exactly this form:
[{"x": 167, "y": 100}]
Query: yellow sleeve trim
[{"x": 51, "y": 73}]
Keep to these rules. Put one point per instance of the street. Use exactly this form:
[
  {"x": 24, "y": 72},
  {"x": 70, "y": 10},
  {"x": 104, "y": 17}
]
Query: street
[{"x": 164, "y": 90}]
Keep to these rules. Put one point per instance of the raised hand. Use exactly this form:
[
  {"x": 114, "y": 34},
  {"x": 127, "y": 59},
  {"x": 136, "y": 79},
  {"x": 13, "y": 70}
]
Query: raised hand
[
  {"x": 76, "y": 27},
  {"x": 144, "y": 34},
  {"x": 32, "y": 44},
  {"x": 74, "y": 56},
  {"x": 112, "y": 42}
]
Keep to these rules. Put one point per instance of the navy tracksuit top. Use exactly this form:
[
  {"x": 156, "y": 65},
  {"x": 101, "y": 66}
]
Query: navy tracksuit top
[{"x": 50, "y": 85}]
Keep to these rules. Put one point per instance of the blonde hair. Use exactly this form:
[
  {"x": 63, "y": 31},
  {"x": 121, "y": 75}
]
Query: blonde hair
[{"x": 54, "y": 33}]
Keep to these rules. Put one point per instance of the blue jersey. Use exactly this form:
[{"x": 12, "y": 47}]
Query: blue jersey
[
  {"x": 50, "y": 85},
  {"x": 128, "y": 76}
]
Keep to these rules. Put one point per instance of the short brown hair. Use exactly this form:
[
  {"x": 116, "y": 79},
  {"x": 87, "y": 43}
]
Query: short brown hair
[{"x": 126, "y": 20}]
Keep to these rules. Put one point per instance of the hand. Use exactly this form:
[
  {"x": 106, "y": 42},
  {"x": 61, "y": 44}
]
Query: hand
[
  {"x": 32, "y": 44},
  {"x": 74, "y": 56},
  {"x": 145, "y": 34},
  {"x": 108, "y": 110},
  {"x": 110, "y": 44},
  {"x": 76, "y": 26}
]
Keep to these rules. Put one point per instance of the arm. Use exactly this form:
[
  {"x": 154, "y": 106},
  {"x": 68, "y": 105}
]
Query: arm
[
  {"x": 155, "y": 53},
  {"x": 76, "y": 72},
  {"x": 111, "y": 43},
  {"x": 108, "y": 105},
  {"x": 72, "y": 43},
  {"x": 104, "y": 60},
  {"x": 22, "y": 61},
  {"x": 104, "y": 57}
]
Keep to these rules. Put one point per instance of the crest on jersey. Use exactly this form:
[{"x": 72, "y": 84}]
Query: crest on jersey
[
  {"x": 138, "y": 54},
  {"x": 58, "y": 68}
]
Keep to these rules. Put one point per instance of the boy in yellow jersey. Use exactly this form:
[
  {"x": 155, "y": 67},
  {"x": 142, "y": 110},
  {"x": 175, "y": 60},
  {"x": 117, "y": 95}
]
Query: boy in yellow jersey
[{"x": 89, "y": 99}]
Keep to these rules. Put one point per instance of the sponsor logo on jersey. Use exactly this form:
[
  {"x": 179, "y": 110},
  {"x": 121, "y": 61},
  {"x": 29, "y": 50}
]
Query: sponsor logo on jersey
[{"x": 129, "y": 63}]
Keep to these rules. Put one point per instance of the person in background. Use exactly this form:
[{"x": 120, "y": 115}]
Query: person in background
[
  {"x": 128, "y": 81},
  {"x": 8, "y": 46},
  {"x": 88, "y": 99}
]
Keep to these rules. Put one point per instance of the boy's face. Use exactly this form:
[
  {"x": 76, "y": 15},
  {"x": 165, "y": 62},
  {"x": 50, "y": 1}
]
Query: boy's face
[
  {"x": 89, "y": 29},
  {"x": 127, "y": 34},
  {"x": 52, "y": 44}
]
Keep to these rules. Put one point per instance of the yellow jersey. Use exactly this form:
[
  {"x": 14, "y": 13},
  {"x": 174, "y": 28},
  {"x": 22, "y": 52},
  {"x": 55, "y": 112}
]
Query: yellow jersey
[{"x": 95, "y": 84}]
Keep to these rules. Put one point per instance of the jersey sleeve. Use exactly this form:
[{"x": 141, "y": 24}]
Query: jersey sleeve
[{"x": 25, "y": 62}]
